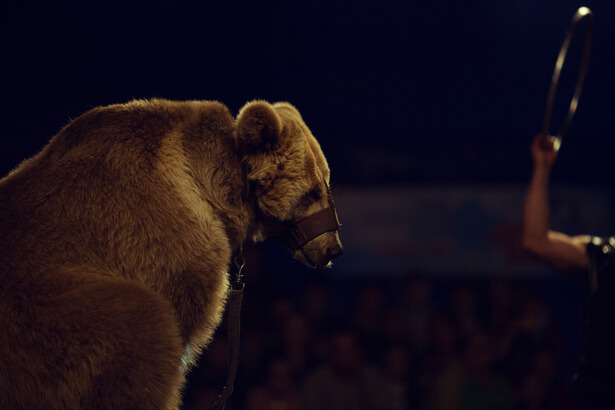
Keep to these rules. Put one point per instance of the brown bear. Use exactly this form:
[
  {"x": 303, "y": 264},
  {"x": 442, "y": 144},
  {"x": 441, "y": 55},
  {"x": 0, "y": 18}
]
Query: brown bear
[{"x": 116, "y": 241}]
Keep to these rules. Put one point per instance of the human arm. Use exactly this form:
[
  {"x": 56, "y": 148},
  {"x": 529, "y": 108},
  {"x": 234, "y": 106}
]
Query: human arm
[{"x": 564, "y": 252}]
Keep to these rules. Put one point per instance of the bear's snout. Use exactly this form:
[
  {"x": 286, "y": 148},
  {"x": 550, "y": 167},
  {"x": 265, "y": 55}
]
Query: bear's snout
[
  {"x": 335, "y": 251},
  {"x": 332, "y": 250}
]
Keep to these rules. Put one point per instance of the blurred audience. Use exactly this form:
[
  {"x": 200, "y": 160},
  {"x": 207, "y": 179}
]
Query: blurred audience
[
  {"x": 279, "y": 390},
  {"x": 417, "y": 307},
  {"x": 345, "y": 380},
  {"x": 424, "y": 345}
]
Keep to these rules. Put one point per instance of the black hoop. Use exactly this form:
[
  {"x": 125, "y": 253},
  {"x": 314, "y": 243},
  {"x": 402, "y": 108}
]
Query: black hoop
[{"x": 582, "y": 13}]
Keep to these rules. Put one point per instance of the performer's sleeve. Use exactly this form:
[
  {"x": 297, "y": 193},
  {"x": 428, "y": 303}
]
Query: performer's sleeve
[{"x": 600, "y": 260}]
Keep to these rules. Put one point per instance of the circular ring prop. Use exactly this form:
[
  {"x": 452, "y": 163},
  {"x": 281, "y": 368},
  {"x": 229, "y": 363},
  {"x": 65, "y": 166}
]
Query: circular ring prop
[{"x": 582, "y": 13}]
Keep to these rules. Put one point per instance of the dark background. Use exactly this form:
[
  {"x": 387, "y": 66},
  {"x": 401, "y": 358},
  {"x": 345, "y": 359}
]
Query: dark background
[
  {"x": 414, "y": 92},
  {"x": 409, "y": 93}
]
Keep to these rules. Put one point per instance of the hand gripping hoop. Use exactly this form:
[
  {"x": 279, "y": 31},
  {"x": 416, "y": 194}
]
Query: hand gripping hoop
[{"x": 582, "y": 13}]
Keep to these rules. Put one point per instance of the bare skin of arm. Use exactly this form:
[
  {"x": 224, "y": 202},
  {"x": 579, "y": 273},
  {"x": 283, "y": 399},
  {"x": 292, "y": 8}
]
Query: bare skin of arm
[{"x": 566, "y": 253}]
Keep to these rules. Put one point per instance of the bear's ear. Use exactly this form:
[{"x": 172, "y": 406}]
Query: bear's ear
[
  {"x": 258, "y": 127},
  {"x": 284, "y": 105}
]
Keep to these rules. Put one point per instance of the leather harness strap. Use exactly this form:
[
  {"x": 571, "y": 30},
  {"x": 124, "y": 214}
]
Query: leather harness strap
[
  {"x": 294, "y": 237},
  {"x": 301, "y": 232},
  {"x": 297, "y": 234},
  {"x": 233, "y": 324}
]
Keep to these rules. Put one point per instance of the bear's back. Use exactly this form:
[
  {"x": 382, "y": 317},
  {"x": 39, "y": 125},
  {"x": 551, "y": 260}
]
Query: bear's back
[{"x": 99, "y": 183}]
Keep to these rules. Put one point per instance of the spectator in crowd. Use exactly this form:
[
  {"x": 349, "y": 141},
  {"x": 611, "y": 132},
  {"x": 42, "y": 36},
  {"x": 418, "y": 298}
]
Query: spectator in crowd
[
  {"x": 345, "y": 381},
  {"x": 470, "y": 382},
  {"x": 278, "y": 392},
  {"x": 417, "y": 307},
  {"x": 370, "y": 311},
  {"x": 400, "y": 378}
]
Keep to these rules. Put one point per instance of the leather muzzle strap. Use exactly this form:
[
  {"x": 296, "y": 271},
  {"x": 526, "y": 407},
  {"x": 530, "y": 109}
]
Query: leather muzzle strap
[{"x": 301, "y": 232}]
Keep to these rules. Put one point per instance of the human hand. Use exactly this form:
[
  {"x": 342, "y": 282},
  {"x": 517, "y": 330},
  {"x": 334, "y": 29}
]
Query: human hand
[{"x": 544, "y": 150}]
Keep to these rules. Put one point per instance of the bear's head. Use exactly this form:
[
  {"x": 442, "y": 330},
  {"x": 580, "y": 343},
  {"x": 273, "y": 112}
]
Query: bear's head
[{"x": 289, "y": 178}]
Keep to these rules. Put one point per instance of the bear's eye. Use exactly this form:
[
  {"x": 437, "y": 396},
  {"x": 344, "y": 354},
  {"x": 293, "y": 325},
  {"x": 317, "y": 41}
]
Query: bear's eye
[{"x": 315, "y": 194}]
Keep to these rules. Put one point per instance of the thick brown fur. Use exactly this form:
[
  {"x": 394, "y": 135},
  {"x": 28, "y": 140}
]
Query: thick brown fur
[{"x": 117, "y": 238}]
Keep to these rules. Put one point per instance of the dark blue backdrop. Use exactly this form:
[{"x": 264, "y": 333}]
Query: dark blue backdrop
[{"x": 396, "y": 91}]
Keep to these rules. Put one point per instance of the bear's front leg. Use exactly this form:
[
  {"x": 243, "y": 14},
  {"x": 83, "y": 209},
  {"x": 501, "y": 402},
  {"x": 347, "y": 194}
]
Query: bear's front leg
[
  {"x": 89, "y": 341},
  {"x": 199, "y": 299}
]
